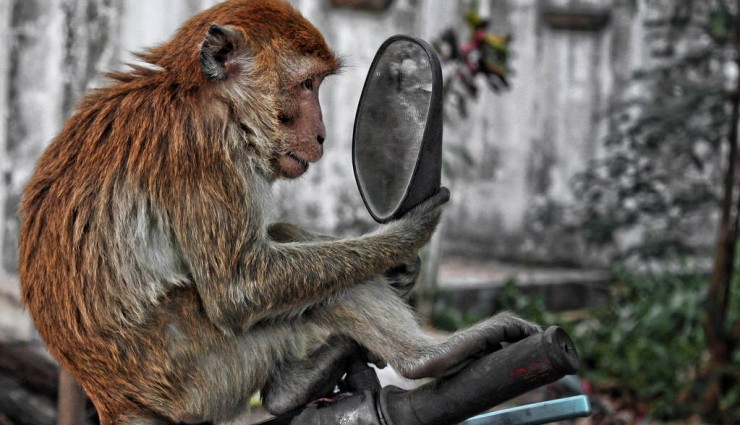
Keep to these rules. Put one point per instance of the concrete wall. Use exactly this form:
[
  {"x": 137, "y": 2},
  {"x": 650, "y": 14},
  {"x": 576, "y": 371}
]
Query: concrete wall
[{"x": 528, "y": 142}]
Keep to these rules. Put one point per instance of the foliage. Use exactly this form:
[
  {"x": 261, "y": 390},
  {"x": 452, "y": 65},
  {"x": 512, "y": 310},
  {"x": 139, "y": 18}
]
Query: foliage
[
  {"x": 647, "y": 339},
  {"x": 661, "y": 169},
  {"x": 662, "y": 174},
  {"x": 532, "y": 306},
  {"x": 481, "y": 55}
]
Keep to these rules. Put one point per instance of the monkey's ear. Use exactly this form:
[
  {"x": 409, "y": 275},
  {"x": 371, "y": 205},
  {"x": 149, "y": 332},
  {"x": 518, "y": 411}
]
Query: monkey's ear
[{"x": 219, "y": 52}]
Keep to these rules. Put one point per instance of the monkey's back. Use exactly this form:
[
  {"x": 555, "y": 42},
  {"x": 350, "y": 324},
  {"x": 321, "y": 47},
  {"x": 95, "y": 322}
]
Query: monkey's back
[
  {"x": 113, "y": 266},
  {"x": 97, "y": 253}
]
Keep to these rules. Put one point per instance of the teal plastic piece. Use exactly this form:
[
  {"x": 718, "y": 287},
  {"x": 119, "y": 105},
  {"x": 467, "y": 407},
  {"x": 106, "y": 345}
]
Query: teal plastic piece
[{"x": 536, "y": 413}]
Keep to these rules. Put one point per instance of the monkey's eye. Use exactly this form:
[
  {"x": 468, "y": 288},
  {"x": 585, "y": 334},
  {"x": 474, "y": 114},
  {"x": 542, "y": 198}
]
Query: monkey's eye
[
  {"x": 284, "y": 119},
  {"x": 307, "y": 84}
]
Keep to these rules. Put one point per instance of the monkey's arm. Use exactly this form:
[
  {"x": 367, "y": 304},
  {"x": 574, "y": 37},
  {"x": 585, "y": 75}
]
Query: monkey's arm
[
  {"x": 402, "y": 277},
  {"x": 243, "y": 277},
  {"x": 288, "y": 232}
]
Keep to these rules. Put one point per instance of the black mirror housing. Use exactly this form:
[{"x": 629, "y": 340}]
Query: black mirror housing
[{"x": 397, "y": 138}]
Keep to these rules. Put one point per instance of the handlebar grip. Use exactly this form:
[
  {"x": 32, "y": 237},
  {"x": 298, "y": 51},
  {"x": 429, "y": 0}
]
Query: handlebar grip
[{"x": 515, "y": 369}]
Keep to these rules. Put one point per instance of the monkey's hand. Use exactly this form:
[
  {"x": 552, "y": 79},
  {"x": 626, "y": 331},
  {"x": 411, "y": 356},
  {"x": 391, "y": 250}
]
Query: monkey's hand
[
  {"x": 420, "y": 222},
  {"x": 467, "y": 345},
  {"x": 402, "y": 277}
]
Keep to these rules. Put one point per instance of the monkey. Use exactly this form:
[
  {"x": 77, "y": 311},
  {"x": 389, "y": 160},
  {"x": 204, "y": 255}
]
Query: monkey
[{"x": 147, "y": 259}]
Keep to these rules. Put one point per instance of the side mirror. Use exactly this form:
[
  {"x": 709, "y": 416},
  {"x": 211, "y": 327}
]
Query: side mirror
[{"x": 397, "y": 140}]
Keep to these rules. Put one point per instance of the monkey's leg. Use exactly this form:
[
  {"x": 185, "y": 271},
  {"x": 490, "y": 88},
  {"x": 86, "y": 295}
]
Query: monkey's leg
[
  {"x": 301, "y": 381},
  {"x": 377, "y": 319}
]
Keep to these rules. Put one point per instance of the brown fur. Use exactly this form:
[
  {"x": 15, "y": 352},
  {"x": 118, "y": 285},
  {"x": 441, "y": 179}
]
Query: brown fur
[{"x": 147, "y": 262}]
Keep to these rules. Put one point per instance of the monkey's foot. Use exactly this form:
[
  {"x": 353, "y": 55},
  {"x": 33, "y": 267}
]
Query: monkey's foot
[{"x": 465, "y": 346}]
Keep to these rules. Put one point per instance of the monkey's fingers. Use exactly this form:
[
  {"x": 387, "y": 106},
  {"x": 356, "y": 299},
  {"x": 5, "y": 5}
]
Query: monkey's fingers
[
  {"x": 483, "y": 338},
  {"x": 448, "y": 358},
  {"x": 507, "y": 328},
  {"x": 431, "y": 204},
  {"x": 440, "y": 198}
]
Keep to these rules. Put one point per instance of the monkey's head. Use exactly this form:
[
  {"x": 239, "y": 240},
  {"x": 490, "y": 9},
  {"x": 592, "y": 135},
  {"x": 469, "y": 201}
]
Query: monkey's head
[{"x": 259, "y": 65}]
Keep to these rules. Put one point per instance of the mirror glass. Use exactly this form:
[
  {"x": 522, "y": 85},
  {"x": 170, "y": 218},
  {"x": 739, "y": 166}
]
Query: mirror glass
[{"x": 390, "y": 124}]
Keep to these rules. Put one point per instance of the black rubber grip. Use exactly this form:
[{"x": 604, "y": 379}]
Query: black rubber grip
[{"x": 515, "y": 369}]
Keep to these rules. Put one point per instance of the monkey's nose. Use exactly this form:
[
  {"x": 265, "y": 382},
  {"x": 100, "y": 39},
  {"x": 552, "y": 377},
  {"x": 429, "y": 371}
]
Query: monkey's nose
[{"x": 320, "y": 139}]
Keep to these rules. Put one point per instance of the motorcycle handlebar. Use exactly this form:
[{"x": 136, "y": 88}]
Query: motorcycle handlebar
[{"x": 535, "y": 361}]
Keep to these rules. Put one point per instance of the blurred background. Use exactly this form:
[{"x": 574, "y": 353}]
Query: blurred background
[{"x": 590, "y": 149}]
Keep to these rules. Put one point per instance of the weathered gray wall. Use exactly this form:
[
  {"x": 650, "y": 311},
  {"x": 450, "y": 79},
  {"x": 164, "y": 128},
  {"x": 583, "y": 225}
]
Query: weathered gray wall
[
  {"x": 528, "y": 142},
  {"x": 532, "y": 140}
]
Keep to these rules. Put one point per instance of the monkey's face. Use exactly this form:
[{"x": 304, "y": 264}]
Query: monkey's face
[
  {"x": 302, "y": 126},
  {"x": 268, "y": 62}
]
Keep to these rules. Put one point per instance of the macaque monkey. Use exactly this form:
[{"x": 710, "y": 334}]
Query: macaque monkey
[{"x": 147, "y": 261}]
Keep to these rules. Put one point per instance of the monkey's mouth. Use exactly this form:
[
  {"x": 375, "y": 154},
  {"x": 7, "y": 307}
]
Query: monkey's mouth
[
  {"x": 292, "y": 165},
  {"x": 303, "y": 163}
]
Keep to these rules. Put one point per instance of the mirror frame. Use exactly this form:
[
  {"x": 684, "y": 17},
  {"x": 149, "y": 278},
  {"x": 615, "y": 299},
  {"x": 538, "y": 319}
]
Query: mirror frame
[{"x": 426, "y": 177}]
